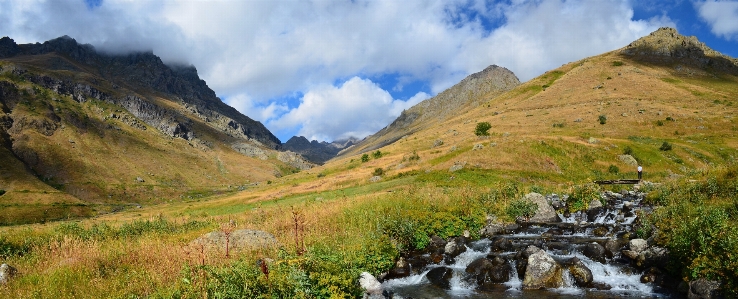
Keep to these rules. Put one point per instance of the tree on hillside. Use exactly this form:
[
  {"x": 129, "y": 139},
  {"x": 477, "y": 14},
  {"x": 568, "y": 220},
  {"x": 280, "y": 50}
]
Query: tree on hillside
[{"x": 482, "y": 129}]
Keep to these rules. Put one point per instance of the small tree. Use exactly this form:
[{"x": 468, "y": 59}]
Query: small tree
[
  {"x": 482, "y": 129},
  {"x": 364, "y": 158},
  {"x": 603, "y": 119}
]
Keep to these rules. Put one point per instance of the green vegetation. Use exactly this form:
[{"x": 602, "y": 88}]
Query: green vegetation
[
  {"x": 364, "y": 158},
  {"x": 582, "y": 195},
  {"x": 2, "y": 192},
  {"x": 613, "y": 169},
  {"x": 617, "y": 63},
  {"x": 602, "y": 119},
  {"x": 482, "y": 129},
  {"x": 521, "y": 208},
  {"x": 378, "y": 171},
  {"x": 697, "y": 223},
  {"x": 665, "y": 146},
  {"x": 377, "y": 154}
]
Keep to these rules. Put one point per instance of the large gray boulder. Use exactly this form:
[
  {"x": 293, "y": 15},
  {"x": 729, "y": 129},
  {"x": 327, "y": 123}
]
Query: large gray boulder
[
  {"x": 440, "y": 277},
  {"x": 242, "y": 240},
  {"x": 545, "y": 212},
  {"x": 542, "y": 271},
  {"x": 582, "y": 275},
  {"x": 6, "y": 273},
  {"x": 704, "y": 289},
  {"x": 372, "y": 287},
  {"x": 638, "y": 245}
]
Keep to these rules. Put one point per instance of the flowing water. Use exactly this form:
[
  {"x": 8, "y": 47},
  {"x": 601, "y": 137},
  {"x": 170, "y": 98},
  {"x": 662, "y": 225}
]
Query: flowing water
[{"x": 615, "y": 277}]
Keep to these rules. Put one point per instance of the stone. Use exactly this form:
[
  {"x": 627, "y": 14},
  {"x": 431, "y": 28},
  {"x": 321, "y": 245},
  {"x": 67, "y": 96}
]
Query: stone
[
  {"x": 542, "y": 271},
  {"x": 478, "y": 146},
  {"x": 545, "y": 212},
  {"x": 638, "y": 245},
  {"x": 592, "y": 140},
  {"x": 375, "y": 179},
  {"x": 242, "y": 240},
  {"x": 455, "y": 247},
  {"x": 7, "y": 272},
  {"x": 613, "y": 246},
  {"x": 370, "y": 284},
  {"x": 401, "y": 269},
  {"x": 704, "y": 289},
  {"x": 600, "y": 232},
  {"x": 501, "y": 244},
  {"x": 440, "y": 277},
  {"x": 628, "y": 159},
  {"x": 437, "y": 143},
  {"x": 456, "y": 167},
  {"x": 594, "y": 251},
  {"x": 582, "y": 275},
  {"x": 140, "y": 180}
]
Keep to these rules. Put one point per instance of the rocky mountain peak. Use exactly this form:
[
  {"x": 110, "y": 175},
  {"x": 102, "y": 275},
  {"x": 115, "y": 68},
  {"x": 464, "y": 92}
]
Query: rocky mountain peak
[{"x": 666, "y": 45}]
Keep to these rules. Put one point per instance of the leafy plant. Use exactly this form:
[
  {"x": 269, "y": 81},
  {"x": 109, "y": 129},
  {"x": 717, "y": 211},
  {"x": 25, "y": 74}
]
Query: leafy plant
[
  {"x": 521, "y": 208},
  {"x": 364, "y": 158},
  {"x": 482, "y": 129},
  {"x": 627, "y": 150},
  {"x": 602, "y": 119},
  {"x": 581, "y": 196},
  {"x": 613, "y": 169},
  {"x": 665, "y": 146},
  {"x": 377, "y": 154}
]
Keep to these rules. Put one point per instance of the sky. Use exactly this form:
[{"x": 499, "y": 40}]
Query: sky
[{"x": 329, "y": 70}]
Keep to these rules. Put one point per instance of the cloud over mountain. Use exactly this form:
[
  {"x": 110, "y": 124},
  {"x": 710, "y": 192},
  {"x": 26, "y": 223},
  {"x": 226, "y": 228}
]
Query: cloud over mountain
[{"x": 255, "y": 54}]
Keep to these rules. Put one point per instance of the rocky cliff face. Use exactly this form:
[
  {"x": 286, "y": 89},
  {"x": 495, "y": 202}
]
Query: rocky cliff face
[
  {"x": 314, "y": 151},
  {"x": 465, "y": 95},
  {"x": 134, "y": 74},
  {"x": 666, "y": 45}
]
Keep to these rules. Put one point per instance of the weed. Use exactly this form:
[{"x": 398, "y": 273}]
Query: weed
[
  {"x": 558, "y": 125},
  {"x": 617, "y": 63},
  {"x": 665, "y": 146},
  {"x": 627, "y": 150},
  {"x": 581, "y": 196},
  {"x": 602, "y": 119},
  {"x": 659, "y": 123},
  {"x": 613, "y": 169}
]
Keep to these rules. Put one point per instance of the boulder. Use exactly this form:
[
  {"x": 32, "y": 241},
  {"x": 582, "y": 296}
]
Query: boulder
[
  {"x": 594, "y": 251},
  {"x": 542, "y": 271},
  {"x": 501, "y": 244},
  {"x": 491, "y": 229},
  {"x": 613, "y": 246},
  {"x": 653, "y": 256},
  {"x": 372, "y": 287},
  {"x": 455, "y": 247},
  {"x": 582, "y": 275},
  {"x": 638, "y": 245},
  {"x": 401, "y": 269},
  {"x": 242, "y": 240},
  {"x": 629, "y": 160},
  {"x": 6, "y": 273},
  {"x": 440, "y": 277},
  {"x": 595, "y": 212},
  {"x": 545, "y": 212},
  {"x": 600, "y": 232},
  {"x": 704, "y": 289}
]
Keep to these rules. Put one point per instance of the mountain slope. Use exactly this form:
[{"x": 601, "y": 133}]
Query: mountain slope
[
  {"x": 461, "y": 97},
  {"x": 674, "y": 111},
  {"x": 84, "y": 132}
]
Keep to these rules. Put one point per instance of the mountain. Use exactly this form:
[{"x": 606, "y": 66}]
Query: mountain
[
  {"x": 83, "y": 132},
  {"x": 666, "y": 102},
  {"x": 467, "y": 94},
  {"x": 314, "y": 151}
]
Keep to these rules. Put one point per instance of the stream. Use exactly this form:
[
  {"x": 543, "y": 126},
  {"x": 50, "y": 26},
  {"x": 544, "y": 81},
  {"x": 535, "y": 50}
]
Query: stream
[{"x": 599, "y": 240}]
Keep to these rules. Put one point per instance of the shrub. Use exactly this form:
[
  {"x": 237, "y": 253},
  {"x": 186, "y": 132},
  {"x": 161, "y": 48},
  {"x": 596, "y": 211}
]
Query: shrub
[
  {"x": 617, "y": 63},
  {"x": 377, "y": 154},
  {"x": 521, "y": 208},
  {"x": 2, "y": 192},
  {"x": 613, "y": 169},
  {"x": 659, "y": 123},
  {"x": 668, "y": 118},
  {"x": 482, "y": 129},
  {"x": 558, "y": 125},
  {"x": 665, "y": 146},
  {"x": 602, "y": 118},
  {"x": 364, "y": 158},
  {"x": 378, "y": 171},
  {"x": 627, "y": 150},
  {"x": 414, "y": 156},
  {"x": 581, "y": 196}
]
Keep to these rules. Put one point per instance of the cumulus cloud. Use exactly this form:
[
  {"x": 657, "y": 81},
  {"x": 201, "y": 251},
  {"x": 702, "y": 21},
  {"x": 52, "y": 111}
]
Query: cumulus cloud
[
  {"x": 356, "y": 108},
  {"x": 253, "y": 52},
  {"x": 722, "y": 17}
]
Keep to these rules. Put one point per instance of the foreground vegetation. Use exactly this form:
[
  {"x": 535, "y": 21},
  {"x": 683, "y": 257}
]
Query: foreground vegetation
[{"x": 328, "y": 240}]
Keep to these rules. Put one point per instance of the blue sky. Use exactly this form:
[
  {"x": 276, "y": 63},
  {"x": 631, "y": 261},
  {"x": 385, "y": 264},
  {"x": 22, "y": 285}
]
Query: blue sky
[{"x": 328, "y": 70}]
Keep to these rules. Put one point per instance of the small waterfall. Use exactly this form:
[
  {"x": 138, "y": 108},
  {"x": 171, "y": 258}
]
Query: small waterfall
[{"x": 564, "y": 242}]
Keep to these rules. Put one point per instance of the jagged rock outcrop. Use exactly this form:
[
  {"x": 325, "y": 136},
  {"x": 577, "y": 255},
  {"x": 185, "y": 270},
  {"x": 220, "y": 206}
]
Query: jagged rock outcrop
[
  {"x": 314, "y": 151},
  {"x": 294, "y": 160},
  {"x": 666, "y": 45},
  {"x": 137, "y": 71}
]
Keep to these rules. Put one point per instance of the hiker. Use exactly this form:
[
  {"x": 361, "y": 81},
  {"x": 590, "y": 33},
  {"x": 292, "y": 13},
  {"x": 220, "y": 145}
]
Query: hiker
[{"x": 640, "y": 172}]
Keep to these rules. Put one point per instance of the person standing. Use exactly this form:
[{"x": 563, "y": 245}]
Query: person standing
[{"x": 640, "y": 172}]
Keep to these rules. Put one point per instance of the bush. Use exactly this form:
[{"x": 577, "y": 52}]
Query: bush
[
  {"x": 602, "y": 118},
  {"x": 377, "y": 154},
  {"x": 364, "y": 158},
  {"x": 665, "y": 146},
  {"x": 617, "y": 63},
  {"x": 2, "y": 192},
  {"x": 581, "y": 196},
  {"x": 613, "y": 169},
  {"x": 627, "y": 150},
  {"x": 482, "y": 129},
  {"x": 558, "y": 125},
  {"x": 521, "y": 208},
  {"x": 378, "y": 171},
  {"x": 659, "y": 122}
]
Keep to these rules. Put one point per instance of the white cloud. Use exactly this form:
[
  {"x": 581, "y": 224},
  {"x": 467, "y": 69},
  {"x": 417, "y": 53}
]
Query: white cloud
[
  {"x": 357, "y": 108},
  {"x": 269, "y": 49},
  {"x": 722, "y": 17}
]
